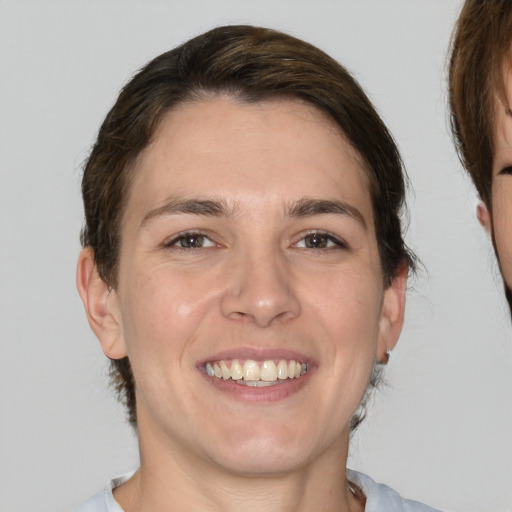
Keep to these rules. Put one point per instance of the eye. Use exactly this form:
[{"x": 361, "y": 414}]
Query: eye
[
  {"x": 190, "y": 241},
  {"x": 320, "y": 241},
  {"x": 506, "y": 170}
]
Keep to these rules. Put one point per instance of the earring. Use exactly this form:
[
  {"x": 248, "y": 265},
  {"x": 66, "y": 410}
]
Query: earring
[{"x": 385, "y": 359}]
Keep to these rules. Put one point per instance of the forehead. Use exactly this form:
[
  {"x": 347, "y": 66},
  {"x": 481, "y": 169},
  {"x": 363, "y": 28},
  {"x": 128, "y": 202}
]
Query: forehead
[{"x": 274, "y": 150}]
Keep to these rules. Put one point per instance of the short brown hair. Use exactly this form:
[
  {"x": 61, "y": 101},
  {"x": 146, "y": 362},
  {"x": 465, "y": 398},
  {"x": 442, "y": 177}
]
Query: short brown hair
[
  {"x": 252, "y": 64},
  {"x": 481, "y": 44}
]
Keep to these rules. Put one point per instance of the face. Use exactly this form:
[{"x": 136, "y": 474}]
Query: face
[
  {"x": 250, "y": 296},
  {"x": 502, "y": 184}
]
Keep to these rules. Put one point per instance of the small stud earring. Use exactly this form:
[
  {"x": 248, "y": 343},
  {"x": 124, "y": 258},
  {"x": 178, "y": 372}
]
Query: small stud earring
[{"x": 385, "y": 359}]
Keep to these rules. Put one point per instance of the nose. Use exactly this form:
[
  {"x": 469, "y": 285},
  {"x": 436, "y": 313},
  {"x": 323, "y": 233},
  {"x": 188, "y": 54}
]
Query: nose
[{"x": 260, "y": 289}]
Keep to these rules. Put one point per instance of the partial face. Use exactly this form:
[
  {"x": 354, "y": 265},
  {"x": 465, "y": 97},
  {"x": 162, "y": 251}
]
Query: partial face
[
  {"x": 502, "y": 184},
  {"x": 250, "y": 298}
]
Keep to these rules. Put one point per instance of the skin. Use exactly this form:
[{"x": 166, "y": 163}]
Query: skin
[
  {"x": 499, "y": 220},
  {"x": 253, "y": 288}
]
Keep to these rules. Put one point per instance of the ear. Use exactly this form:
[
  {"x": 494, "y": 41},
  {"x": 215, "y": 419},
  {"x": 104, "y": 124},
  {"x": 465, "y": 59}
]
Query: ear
[
  {"x": 101, "y": 305},
  {"x": 392, "y": 314},
  {"x": 484, "y": 217}
]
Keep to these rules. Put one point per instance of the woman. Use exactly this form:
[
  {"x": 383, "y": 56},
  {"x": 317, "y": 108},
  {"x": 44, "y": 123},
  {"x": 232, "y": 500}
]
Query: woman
[
  {"x": 480, "y": 88},
  {"x": 244, "y": 269}
]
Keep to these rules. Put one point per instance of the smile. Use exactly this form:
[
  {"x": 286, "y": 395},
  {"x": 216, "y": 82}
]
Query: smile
[{"x": 256, "y": 373}]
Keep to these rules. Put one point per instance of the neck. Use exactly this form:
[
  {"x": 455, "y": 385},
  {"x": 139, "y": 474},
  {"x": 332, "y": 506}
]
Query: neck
[{"x": 172, "y": 479}]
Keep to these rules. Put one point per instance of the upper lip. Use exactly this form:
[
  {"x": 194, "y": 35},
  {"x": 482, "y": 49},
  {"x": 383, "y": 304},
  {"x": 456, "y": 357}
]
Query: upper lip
[{"x": 257, "y": 354}]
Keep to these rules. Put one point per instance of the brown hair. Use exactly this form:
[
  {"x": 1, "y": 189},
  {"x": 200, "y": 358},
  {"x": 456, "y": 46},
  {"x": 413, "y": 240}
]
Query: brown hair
[
  {"x": 252, "y": 64},
  {"x": 481, "y": 44}
]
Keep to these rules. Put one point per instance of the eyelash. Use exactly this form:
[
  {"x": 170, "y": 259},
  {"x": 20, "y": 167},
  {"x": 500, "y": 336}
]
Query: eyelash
[{"x": 506, "y": 170}]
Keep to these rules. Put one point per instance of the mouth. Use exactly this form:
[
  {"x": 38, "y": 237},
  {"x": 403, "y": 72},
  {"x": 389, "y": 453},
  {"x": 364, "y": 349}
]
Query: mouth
[{"x": 255, "y": 373}]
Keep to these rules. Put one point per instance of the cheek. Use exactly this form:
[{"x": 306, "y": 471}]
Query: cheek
[
  {"x": 347, "y": 315},
  {"x": 502, "y": 224},
  {"x": 349, "y": 307},
  {"x": 160, "y": 310}
]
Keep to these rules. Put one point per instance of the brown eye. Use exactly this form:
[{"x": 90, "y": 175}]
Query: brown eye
[
  {"x": 316, "y": 241},
  {"x": 506, "y": 170},
  {"x": 191, "y": 241},
  {"x": 320, "y": 240}
]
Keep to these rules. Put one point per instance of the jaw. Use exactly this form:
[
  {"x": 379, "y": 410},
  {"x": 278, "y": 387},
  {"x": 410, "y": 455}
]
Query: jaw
[
  {"x": 508, "y": 296},
  {"x": 261, "y": 478},
  {"x": 505, "y": 272},
  {"x": 251, "y": 431}
]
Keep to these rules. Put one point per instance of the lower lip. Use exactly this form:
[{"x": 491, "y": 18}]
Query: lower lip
[{"x": 273, "y": 393}]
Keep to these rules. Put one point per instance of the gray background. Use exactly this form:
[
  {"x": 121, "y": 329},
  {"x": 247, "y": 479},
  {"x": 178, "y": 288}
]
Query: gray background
[{"x": 440, "y": 432}]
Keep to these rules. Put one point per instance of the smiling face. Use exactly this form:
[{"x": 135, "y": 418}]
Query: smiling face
[
  {"x": 249, "y": 256},
  {"x": 502, "y": 184}
]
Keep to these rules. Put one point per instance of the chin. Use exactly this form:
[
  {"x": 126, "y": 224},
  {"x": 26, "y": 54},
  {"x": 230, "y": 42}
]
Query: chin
[
  {"x": 261, "y": 455},
  {"x": 265, "y": 465}
]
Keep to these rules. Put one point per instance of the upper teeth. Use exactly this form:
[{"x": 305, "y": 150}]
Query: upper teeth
[{"x": 250, "y": 370}]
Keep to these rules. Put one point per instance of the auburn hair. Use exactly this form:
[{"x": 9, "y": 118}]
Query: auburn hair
[{"x": 480, "y": 48}]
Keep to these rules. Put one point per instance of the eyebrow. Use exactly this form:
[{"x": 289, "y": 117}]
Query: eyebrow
[
  {"x": 205, "y": 207},
  {"x": 305, "y": 207}
]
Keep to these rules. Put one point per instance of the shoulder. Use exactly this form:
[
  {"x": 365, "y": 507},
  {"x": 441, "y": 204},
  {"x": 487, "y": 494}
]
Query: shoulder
[
  {"x": 104, "y": 501},
  {"x": 380, "y": 495}
]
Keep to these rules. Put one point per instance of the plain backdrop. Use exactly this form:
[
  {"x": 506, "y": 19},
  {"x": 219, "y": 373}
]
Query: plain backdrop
[{"x": 440, "y": 432}]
